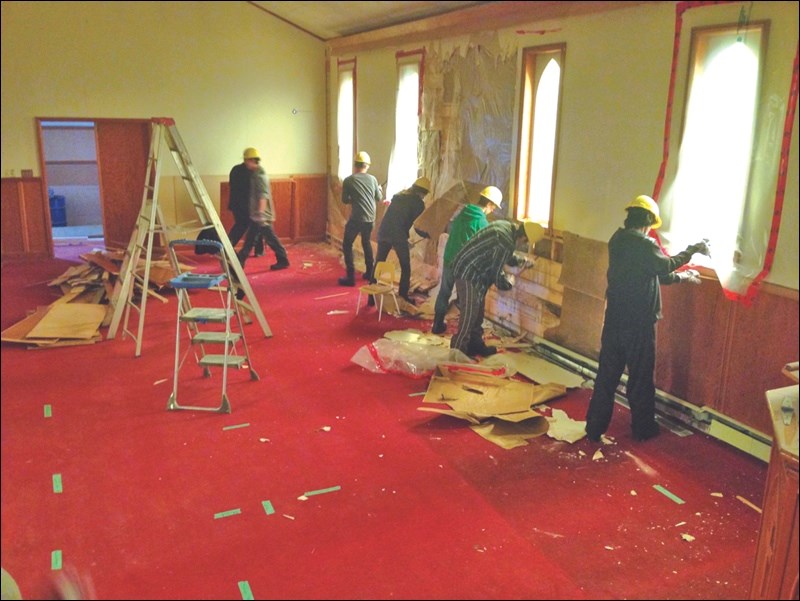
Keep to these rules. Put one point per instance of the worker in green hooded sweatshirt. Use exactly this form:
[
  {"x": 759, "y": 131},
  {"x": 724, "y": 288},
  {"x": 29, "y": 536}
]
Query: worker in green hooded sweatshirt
[{"x": 466, "y": 224}]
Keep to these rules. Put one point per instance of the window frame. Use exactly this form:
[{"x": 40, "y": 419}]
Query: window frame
[
  {"x": 534, "y": 60},
  {"x": 346, "y": 65}
]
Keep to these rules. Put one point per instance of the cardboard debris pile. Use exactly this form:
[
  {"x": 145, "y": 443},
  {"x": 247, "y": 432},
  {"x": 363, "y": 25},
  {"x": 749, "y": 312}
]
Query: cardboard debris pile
[
  {"x": 500, "y": 410},
  {"x": 76, "y": 317}
]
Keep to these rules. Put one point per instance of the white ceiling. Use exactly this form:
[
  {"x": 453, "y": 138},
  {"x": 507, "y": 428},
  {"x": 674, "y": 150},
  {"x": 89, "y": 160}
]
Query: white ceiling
[{"x": 331, "y": 20}]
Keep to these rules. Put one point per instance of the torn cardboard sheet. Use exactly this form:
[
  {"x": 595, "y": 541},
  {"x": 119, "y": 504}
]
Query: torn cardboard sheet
[
  {"x": 535, "y": 368},
  {"x": 511, "y": 435},
  {"x": 499, "y": 409},
  {"x": 563, "y": 427}
]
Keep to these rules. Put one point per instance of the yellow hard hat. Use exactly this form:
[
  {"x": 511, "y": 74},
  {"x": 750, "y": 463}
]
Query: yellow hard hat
[
  {"x": 363, "y": 157},
  {"x": 648, "y": 204},
  {"x": 492, "y": 194},
  {"x": 424, "y": 183},
  {"x": 533, "y": 231},
  {"x": 251, "y": 153}
]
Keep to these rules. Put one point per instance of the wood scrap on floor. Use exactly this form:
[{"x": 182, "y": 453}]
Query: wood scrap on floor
[{"x": 84, "y": 307}]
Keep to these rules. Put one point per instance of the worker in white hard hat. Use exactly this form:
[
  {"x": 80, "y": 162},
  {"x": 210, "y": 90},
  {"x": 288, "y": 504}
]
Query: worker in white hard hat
[
  {"x": 239, "y": 200},
  {"x": 362, "y": 192},
  {"x": 470, "y": 220},
  {"x": 636, "y": 269},
  {"x": 395, "y": 226}
]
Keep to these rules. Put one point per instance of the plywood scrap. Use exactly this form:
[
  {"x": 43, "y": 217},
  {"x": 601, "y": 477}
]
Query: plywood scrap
[
  {"x": 70, "y": 320},
  {"x": 536, "y": 368},
  {"x": 102, "y": 260},
  {"x": 20, "y": 330},
  {"x": 749, "y": 504}
]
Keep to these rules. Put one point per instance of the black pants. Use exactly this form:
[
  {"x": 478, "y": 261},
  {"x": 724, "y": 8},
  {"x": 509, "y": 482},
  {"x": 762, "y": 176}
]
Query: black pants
[
  {"x": 636, "y": 349},
  {"x": 240, "y": 225},
  {"x": 268, "y": 235},
  {"x": 403, "y": 257},
  {"x": 351, "y": 230}
]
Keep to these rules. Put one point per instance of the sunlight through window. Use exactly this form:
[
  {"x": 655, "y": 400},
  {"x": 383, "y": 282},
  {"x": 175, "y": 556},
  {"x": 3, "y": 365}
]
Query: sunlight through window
[
  {"x": 404, "y": 162},
  {"x": 544, "y": 144},
  {"x": 346, "y": 119},
  {"x": 539, "y": 132},
  {"x": 710, "y": 191}
]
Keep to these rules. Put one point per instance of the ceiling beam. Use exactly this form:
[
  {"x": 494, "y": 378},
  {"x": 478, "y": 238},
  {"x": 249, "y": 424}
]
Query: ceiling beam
[{"x": 493, "y": 15}]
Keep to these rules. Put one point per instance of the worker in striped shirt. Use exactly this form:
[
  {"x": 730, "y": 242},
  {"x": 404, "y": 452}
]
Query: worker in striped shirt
[{"x": 479, "y": 265}]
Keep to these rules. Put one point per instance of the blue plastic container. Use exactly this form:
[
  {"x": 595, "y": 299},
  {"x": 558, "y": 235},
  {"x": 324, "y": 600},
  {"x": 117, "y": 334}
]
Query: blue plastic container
[{"x": 58, "y": 210}]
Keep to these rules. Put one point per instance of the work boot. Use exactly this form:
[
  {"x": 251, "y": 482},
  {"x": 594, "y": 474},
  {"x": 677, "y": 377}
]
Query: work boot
[
  {"x": 646, "y": 434},
  {"x": 279, "y": 265},
  {"x": 439, "y": 326},
  {"x": 348, "y": 280},
  {"x": 482, "y": 350}
]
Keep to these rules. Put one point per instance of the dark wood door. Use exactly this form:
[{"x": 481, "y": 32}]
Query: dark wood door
[{"x": 122, "y": 153}]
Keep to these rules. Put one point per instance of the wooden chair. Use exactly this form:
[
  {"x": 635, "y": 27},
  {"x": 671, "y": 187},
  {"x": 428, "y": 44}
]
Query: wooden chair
[{"x": 384, "y": 277}]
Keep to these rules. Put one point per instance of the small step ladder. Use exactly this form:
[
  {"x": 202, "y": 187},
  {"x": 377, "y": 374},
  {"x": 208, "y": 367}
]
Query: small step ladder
[
  {"x": 194, "y": 318},
  {"x": 150, "y": 222}
]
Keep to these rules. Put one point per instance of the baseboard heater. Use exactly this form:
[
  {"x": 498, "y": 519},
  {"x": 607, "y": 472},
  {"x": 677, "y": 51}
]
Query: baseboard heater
[{"x": 668, "y": 407}]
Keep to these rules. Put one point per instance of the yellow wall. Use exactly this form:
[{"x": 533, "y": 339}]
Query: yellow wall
[
  {"x": 230, "y": 75},
  {"x": 615, "y": 86}
]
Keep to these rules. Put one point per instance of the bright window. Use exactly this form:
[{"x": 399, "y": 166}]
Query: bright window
[
  {"x": 538, "y": 137},
  {"x": 404, "y": 161},
  {"x": 346, "y": 117},
  {"x": 711, "y": 192}
]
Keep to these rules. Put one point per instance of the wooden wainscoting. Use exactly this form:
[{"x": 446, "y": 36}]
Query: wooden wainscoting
[
  {"x": 300, "y": 204},
  {"x": 720, "y": 354},
  {"x": 25, "y": 219}
]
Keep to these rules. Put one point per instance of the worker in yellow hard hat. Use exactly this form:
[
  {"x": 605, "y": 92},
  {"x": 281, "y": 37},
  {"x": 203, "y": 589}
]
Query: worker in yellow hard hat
[
  {"x": 362, "y": 192},
  {"x": 262, "y": 214},
  {"x": 395, "y": 226},
  {"x": 471, "y": 219},
  {"x": 239, "y": 199},
  {"x": 636, "y": 269}
]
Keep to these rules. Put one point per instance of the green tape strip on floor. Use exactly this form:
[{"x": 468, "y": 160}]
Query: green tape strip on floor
[
  {"x": 322, "y": 491},
  {"x": 666, "y": 493},
  {"x": 55, "y": 560},
  {"x": 57, "y": 486},
  {"x": 244, "y": 589},
  {"x": 236, "y": 426},
  {"x": 48, "y": 411},
  {"x": 268, "y": 507},
  {"x": 224, "y": 514}
]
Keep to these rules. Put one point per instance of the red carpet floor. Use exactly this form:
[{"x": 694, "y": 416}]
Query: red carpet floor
[{"x": 414, "y": 505}]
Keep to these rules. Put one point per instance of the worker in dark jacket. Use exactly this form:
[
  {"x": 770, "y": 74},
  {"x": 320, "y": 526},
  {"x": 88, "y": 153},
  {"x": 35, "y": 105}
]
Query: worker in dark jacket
[
  {"x": 636, "y": 268},
  {"x": 262, "y": 216},
  {"x": 239, "y": 200},
  {"x": 470, "y": 220},
  {"x": 393, "y": 232},
  {"x": 479, "y": 265}
]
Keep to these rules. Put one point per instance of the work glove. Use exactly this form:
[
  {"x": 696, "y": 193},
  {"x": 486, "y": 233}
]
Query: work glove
[
  {"x": 703, "y": 247},
  {"x": 689, "y": 276}
]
